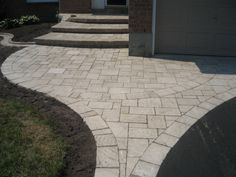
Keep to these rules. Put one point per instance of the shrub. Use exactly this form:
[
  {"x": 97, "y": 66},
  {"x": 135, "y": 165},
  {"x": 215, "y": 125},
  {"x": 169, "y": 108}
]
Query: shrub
[
  {"x": 24, "y": 20},
  {"x": 10, "y": 23},
  {"x": 29, "y": 20}
]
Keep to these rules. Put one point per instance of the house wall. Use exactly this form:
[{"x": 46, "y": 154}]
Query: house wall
[
  {"x": 75, "y": 6},
  {"x": 17, "y": 8},
  {"x": 140, "y": 27}
]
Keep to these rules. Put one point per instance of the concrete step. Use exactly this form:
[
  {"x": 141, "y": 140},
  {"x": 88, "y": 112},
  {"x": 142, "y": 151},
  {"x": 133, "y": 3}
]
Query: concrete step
[
  {"x": 84, "y": 40},
  {"x": 104, "y": 19},
  {"x": 71, "y": 27}
]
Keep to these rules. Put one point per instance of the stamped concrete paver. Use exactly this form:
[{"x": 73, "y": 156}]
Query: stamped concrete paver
[{"x": 137, "y": 108}]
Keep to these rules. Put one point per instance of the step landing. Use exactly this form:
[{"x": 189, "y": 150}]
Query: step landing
[
  {"x": 105, "y": 19},
  {"x": 70, "y": 27},
  {"x": 84, "y": 40}
]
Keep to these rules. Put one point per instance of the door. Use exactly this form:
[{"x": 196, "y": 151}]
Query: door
[
  {"x": 199, "y": 27},
  {"x": 98, "y": 4},
  {"x": 116, "y": 2}
]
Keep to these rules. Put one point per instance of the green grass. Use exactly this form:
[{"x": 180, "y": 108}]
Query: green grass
[{"x": 28, "y": 145}]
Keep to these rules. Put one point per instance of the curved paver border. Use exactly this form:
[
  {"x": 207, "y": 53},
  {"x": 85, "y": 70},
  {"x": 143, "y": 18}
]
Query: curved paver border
[
  {"x": 151, "y": 161},
  {"x": 7, "y": 41}
]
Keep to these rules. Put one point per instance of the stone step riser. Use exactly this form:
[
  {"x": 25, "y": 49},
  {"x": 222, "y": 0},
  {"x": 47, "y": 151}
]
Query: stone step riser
[
  {"x": 99, "y": 21},
  {"x": 78, "y": 30},
  {"x": 84, "y": 44}
]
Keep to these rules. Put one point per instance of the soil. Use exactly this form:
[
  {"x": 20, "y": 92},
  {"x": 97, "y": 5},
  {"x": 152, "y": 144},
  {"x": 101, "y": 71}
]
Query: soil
[
  {"x": 208, "y": 149},
  {"x": 27, "y": 33},
  {"x": 80, "y": 159}
]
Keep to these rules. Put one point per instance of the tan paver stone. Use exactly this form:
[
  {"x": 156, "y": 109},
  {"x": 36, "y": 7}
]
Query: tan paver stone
[
  {"x": 168, "y": 111},
  {"x": 111, "y": 72},
  {"x": 95, "y": 123},
  {"x": 122, "y": 170},
  {"x": 100, "y": 105},
  {"x": 144, "y": 169},
  {"x": 120, "y": 130},
  {"x": 197, "y": 112},
  {"x": 107, "y": 157},
  {"x": 155, "y": 154},
  {"x": 177, "y": 129},
  {"x": 142, "y": 133},
  {"x": 91, "y": 95},
  {"x": 122, "y": 156},
  {"x": 102, "y": 132},
  {"x": 150, "y": 102},
  {"x": 136, "y": 147},
  {"x": 122, "y": 143},
  {"x": 133, "y": 118},
  {"x": 169, "y": 103},
  {"x": 131, "y": 162},
  {"x": 166, "y": 140},
  {"x": 111, "y": 115},
  {"x": 106, "y": 172},
  {"x": 119, "y": 90},
  {"x": 187, "y": 120},
  {"x": 137, "y": 125},
  {"x": 105, "y": 140},
  {"x": 142, "y": 111},
  {"x": 156, "y": 122},
  {"x": 56, "y": 70},
  {"x": 130, "y": 103}
]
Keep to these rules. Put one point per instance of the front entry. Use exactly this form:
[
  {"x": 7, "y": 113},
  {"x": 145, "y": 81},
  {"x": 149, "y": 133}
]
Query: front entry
[{"x": 116, "y": 2}]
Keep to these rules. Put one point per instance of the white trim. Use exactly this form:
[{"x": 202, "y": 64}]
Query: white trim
[
  {"x": 41, "y": 1},
  {"x": 154, "y": 16}
]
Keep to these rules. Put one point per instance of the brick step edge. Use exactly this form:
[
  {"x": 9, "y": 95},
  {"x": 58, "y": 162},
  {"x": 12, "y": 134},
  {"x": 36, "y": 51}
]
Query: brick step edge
[
  {"x": 99, "y": 21},
  {"x": 84, "y": 44},
  {"x": 91, "y": 30}
]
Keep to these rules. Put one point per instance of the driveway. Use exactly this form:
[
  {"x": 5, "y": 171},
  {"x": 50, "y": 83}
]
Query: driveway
[{"x": 137, "y": 108}]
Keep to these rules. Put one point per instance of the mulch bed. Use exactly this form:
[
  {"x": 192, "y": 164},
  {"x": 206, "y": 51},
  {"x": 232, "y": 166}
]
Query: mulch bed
[
  {"x": 27, "y": 33},
  {"x": 80, "y": 160}
]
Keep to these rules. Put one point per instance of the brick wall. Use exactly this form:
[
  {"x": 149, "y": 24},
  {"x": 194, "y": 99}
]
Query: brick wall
[
  {"x": 75, "y": 6},
  {"x": 16, "y": 8},
  {"x": 140, "y": 16}
]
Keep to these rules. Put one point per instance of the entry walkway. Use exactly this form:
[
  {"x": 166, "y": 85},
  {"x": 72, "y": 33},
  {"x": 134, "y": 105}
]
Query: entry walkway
[{"x": 136, "y": 107}]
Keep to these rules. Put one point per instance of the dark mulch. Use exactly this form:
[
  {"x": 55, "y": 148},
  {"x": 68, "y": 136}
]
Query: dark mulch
[
  {"x": 27, "y": 33},
  {"x": 208, "y": 149},
  {"x": 80, "y": 159}
]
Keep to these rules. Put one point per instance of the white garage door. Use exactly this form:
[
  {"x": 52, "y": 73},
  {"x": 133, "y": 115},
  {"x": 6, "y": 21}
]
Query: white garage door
[{"x": 200, "y": 27}]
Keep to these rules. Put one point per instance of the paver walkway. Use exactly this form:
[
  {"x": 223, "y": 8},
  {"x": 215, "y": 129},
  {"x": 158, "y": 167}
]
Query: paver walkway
[{"x": 136, "y": 107}]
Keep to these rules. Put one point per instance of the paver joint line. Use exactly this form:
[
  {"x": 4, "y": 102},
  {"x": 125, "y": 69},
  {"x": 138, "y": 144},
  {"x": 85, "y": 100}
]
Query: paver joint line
[{"x": 137, "y": 108}]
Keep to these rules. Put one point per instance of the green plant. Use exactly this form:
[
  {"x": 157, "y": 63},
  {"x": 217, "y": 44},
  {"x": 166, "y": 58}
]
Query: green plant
[
  {"x": 29, "y": 20},
  {"x": 24, "y": 20},
  {"x": 10, "y": 23}
]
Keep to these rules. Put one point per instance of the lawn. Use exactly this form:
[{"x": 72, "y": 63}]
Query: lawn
[{"x": 28, "y": 145}]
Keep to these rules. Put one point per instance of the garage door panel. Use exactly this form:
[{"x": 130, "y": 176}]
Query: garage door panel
[
  {"x": 201, "y": 27},
  {"x": 174, "y": 20},
  {"x": 225, "y": 42},
  {"x": 227, "y": 16},
  {"x": 200, "y": 41},
  {"x": 171, "y": 17},
  {"x": 172, "y": 40}
]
